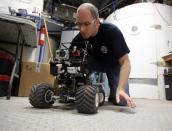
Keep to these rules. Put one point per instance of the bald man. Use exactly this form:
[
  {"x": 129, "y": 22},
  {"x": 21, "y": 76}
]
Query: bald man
[{"x": 109, "y": 55}]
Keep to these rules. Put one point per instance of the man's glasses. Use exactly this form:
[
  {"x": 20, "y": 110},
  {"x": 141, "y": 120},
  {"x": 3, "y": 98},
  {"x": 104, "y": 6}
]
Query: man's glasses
[{"x": 86, "y": 24}]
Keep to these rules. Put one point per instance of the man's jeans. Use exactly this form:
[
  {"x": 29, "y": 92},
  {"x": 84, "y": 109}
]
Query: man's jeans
[{"x": 112, "y": 76}]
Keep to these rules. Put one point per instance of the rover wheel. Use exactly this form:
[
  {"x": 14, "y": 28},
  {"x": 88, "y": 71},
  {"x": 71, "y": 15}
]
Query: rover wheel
[
  {"x": 41, "y": 96},
  {"x": 87, "y": 99},
  {"x": 101, "y": 96}
]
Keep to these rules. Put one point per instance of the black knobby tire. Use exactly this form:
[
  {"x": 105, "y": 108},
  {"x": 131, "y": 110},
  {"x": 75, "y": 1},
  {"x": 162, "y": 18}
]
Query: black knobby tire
[
  {"x": 41, "y": 96},
  {"x": 101, "y": 96},
  {"x": 87, "y": 99}
]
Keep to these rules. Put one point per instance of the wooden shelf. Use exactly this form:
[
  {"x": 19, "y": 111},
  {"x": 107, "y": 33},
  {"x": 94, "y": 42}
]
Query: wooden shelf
[{"x": 167, "y": 58}]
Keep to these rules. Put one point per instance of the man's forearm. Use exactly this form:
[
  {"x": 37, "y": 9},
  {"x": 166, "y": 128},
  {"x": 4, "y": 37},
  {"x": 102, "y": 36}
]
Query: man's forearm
[{"x": 124, "y": 74}]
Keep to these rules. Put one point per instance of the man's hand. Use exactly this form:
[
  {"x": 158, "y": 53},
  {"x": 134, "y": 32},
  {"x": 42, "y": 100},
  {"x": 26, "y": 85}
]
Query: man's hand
[{"x": 120, "y": 94}]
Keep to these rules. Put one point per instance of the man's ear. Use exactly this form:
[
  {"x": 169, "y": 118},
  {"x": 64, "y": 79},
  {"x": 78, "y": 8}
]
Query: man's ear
[{"x": 97, "y": 22}]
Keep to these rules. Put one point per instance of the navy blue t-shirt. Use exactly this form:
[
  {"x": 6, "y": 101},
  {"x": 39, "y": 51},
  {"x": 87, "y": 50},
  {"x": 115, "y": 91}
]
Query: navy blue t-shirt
[{"x": 108, "y": 45}]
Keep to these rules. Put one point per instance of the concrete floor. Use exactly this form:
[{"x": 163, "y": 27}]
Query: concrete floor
[{"x": 149, "y": 115}]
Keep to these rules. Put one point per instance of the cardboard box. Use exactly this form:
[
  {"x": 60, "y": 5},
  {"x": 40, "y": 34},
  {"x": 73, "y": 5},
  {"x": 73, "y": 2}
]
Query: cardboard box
[{"x": 29, "y": 77}]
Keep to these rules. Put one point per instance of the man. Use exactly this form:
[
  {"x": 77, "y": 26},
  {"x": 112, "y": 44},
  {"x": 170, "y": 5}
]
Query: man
[{"x": 110, "y": 52}]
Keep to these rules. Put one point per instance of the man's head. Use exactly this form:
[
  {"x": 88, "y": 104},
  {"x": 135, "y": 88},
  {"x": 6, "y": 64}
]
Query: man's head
[{"x": 87, "y": 20}]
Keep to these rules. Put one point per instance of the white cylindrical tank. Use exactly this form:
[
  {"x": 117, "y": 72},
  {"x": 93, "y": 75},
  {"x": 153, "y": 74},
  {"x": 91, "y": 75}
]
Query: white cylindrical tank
[{"x": 147, "y": 28}]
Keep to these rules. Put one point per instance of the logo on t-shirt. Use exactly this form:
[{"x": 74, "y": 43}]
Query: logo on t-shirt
[{"x": 104, "y": 49}]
